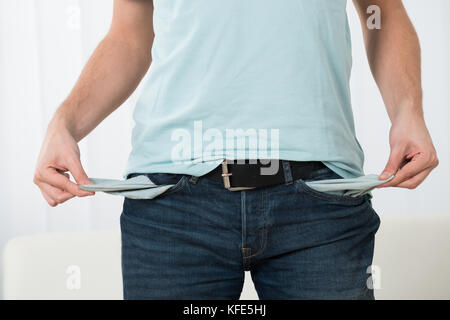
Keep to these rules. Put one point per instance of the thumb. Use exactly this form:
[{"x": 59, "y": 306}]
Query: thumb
[
  {"x": 78, "y": 173},
  {"x": 394, "y": 163}
]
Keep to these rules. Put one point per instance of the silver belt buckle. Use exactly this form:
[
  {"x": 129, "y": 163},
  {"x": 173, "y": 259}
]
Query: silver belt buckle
[{"x": 226, "y": 179}]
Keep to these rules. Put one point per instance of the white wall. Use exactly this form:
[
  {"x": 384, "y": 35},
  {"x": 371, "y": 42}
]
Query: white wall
[{"x": 44, "y": 44}]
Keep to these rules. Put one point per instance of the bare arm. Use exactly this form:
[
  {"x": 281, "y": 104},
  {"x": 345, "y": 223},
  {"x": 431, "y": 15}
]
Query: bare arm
[
  {"x": 394, "y": 57},
  {"x": 114, "y": 70},
  {"x": 111, "y": 75}
]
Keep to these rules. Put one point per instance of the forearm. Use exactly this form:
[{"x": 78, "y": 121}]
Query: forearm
[
  {"x": 108, "y": 79},
  {"x": 113, "y": 72},
  {"x": 394, "y": 58}
]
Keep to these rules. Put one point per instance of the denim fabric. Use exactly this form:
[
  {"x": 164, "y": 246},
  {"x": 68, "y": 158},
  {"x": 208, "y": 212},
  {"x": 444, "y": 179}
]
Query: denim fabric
[{"x": 196, "y": 240}]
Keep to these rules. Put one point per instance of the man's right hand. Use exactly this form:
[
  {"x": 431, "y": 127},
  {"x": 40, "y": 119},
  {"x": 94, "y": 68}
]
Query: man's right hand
[
  {"x": 111, "y": 75},
  {"x": 60, "y": 154}
]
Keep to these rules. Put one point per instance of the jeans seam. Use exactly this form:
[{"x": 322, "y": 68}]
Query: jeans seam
[
  {"x": 264, "y": 228},
  {"x": 329, "y": 197},
  {"x": 177, "y": 187},
  {"x": 244, "y": 249}
]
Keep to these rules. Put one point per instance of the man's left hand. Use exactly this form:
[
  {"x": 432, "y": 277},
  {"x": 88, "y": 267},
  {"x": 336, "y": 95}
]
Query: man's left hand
[{"x": 412, "y": 156}]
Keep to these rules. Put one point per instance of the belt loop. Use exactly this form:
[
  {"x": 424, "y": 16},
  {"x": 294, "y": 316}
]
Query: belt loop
[
  {"x": 193, "y": 179},
  {"x": 287, "y": 172}
]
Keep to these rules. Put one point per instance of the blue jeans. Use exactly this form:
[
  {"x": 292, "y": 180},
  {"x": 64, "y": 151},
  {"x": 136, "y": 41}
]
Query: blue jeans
[{"x": 196, "y": 241}]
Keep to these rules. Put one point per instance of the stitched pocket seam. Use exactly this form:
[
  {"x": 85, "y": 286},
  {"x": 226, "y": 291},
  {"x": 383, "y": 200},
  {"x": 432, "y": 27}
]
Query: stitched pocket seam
[{"x": 329, "y": 197}]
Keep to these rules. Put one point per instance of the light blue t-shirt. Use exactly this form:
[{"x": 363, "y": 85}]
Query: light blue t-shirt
[{"x": 246, "y": 79}]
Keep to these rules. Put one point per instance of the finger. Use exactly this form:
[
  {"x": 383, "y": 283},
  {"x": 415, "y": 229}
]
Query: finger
[
  {"x": 49, "y": 200},
  {"x": 60, "y": 181},
  {"x": 395, "y": 160},
  {"x": 57, "y": 195},
  {"x": 78, "y": 173},
  {"x": 64, "y": 173},
  {"x": 417, "y": 164},
  {"x": 415, "y": 181}
]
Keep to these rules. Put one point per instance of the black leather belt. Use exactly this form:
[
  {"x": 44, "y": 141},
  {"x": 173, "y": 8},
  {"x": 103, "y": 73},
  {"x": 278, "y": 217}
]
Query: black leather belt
[{"x": 245, "y": 174}]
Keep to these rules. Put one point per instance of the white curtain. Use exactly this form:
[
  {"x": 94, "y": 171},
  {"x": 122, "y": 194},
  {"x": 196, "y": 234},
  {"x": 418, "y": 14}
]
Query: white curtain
[
  {"x": 45, "y": 43},
  {"x": 43, "y": 46}
]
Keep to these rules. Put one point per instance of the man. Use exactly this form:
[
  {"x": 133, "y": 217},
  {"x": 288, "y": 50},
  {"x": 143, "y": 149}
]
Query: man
[{"x": 277, "y": 70}]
